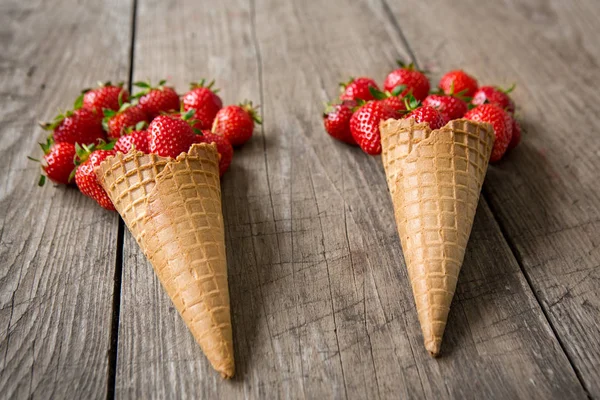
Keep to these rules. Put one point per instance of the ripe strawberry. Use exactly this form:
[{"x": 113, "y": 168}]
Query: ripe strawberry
[
  {"x": 205, "y": 101},
  {"x": 516, "y": 135},
  {"x": 495, "y": 95},
  {"x": 59, "y": 162},
  {"x": 336, "y": 119},
  {"x": 115, "y": 122},
  {"x": 393, "y": 99},
  {"x": 156, "y": 100},
  {"x": 412, "y": 80},
  {"x": 85, "y": 177},
  {"x": 223, "y": 147},
  {"x": 236, "y": 123},
  {"x": 170, "y": 136},
  {"x": 451, "y": 107},
  {"x": 502, "y": 123},
  {"x": 364, "y": 125},
  {"x": 428, "y": 114},
  {"x": 76, "y": 126},
  {"x": 104, "y": 96},
  {"x": 134, "y": 138},
  {"x": 358, "y": 89},
  {"x": 458, "y": 82}
]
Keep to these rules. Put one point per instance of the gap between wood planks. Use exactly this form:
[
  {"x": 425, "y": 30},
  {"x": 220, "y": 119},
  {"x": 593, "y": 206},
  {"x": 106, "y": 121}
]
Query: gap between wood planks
[
  {"x": 116, "y": 306},
  {"x": 503, "y": 232}
]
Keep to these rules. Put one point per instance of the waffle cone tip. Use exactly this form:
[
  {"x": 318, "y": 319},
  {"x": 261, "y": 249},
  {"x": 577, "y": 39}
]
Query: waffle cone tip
[{"x": 433, "y": 347}]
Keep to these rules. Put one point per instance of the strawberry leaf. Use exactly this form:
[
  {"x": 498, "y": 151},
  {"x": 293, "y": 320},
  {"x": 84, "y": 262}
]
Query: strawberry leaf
[
  {"x": 33, "y": 159},
  {"x": 42, "y": 180},
  {"x": 72, "y": 174},
  {"x": 398, "y": 90},
  {"x": 78, "y": 102},
  {"x": 143, "y": 85},
  {"x": 377, "y": 94},
  {"x": 140, "y": 126}
]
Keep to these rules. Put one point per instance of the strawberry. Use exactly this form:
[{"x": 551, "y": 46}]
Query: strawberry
[
  {"x": 223, "y": 147},
  {"x": 58, "y": 162},
  {"x": 393, "y": 99},
  {"x": 428, "y": 114},
  {"x": 458, "y": 82},
  {"x": 516, "y": 135},
  {"x": 136, "y": 138},
  {"x": 411, "y": 79},
  {"x": 76, "y": 126},
  {"x": 236, "y": 123},
  {"x": 358, "y": 89},
  {"x": 115, "y": 122},
  {"x": 156, "y": 100},
  {"x": 170, "y": 136},
  {"x": 364, "y": 125},
  {"x": 85, "y": 177},
  {"x": 495, "y": 95},
  {"x": 104, "y": 96},
  {"x": 336, "y": 119},
  {"x": 451, "y": 107},
  {"x": 205, "y": 101},
  {"x": 502, "y": 123}
]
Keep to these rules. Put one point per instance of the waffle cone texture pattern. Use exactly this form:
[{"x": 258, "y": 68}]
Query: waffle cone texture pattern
[
  {"x": 173, "y": 209},
  {"x": 435, "y": 179}
]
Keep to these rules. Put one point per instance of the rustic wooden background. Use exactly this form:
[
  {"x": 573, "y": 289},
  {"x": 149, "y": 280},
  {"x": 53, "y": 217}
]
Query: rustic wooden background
[{"x": 321, "y": 303}]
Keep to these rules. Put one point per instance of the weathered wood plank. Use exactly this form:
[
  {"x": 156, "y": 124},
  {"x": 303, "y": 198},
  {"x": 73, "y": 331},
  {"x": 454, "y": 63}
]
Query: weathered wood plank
[
  {"x": 57, "y": 248},
  {"x": 157, "y": 356},
  {"x": 545, "y": 193},
  {"x": 321, "y": 303}
]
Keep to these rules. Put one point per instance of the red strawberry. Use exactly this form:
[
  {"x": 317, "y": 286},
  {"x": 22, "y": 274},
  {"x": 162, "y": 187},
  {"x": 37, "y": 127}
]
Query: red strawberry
[
  {"x": 458, "y": 82},
  {"x": 134, "y": 138},
  {"x": 223, "y": 147},
  {"x": 516, "y": 135},
  {"x": 451, "y": 107},
  {"x": 495, "y": 95},
  {"x": 428, "y": 114},
  {"x": 364, "y": 125},
  {"x": 502, "y": 123},
  {"x": 336, "y": 119},
  {"x": 236, "y": 123},
  {"x": 105, "y": 96},
  {"x": 115, "y": 122},
  {"x": 358, "y": 89},
  {"x": 78, "y": 126},
  {"x": 85, "y": 177},
  {"x": 395, "y": 103},
  {"x": 59, "y": 162},
  {"x": 170, "y": 136},
  {"x": 412, "y": 81},
  {"x": 205, "y": 101},
  {"x": 156, "y": 100},
  {"x": 393, "y": 99}
]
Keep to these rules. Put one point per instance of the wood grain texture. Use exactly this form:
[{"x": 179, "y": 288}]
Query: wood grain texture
[
  {"x": 321, "y": 301},
  {"x": 545, "y": 194},
  {"x": 57, "y": 248}
]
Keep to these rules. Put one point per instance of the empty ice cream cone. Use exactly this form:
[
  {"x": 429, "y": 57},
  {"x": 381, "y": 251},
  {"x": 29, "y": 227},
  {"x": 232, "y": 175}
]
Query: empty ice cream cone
[
  {"x": 435, "y": 179},
  {"x": 173, "y": 208}
]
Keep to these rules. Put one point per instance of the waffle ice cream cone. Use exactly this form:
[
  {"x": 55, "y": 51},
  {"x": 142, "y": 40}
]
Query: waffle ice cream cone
[
  {"x": 435, "y": 179},
  {"x": 173, "y": 209}
]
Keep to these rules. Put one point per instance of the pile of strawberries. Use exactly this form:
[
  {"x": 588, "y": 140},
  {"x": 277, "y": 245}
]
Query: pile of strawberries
[
  {"x": 155, "y": 120},
  {"x": 362, "y": 106}
]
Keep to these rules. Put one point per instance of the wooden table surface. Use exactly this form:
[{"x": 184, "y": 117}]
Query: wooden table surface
[{"x": 321, "y": 303}]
